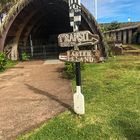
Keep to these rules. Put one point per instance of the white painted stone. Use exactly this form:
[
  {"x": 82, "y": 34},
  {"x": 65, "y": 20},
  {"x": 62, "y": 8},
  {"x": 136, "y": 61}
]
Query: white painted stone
[{"x": 79, "y": 102}]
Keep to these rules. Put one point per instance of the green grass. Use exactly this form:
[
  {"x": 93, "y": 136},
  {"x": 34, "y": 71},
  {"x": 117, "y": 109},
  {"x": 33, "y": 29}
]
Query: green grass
[{"x": 112, "y": 99}]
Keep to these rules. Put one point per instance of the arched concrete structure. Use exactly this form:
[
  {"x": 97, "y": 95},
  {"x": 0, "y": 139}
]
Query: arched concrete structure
[{"x": 41, "y": 19}]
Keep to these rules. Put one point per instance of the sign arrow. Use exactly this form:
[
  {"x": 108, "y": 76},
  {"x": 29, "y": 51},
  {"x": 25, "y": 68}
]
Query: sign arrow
[{"x": 81, "y": 38}]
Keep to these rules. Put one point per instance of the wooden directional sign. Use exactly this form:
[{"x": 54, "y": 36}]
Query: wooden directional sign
[
  {"x": 81, "y": 38},
  {"x": 85, "y": 56}
]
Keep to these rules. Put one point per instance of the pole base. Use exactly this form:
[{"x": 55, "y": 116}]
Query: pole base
[{"x": 79, "y": 102}]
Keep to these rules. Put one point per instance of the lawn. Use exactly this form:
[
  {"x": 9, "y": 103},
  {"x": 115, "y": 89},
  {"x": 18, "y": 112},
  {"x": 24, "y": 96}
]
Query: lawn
[{"x": 112, "y": 97}]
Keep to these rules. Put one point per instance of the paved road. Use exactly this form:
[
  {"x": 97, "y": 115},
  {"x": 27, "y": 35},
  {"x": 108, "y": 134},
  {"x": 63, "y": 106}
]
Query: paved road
[{"x": 30, "y": 94}]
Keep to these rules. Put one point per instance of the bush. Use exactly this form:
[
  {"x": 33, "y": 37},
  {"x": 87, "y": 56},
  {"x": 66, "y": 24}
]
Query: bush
[
  {"x": 69, "y": 70},
  {"x": 3, "y": 61},
  {"x": 25, "y": 57}
]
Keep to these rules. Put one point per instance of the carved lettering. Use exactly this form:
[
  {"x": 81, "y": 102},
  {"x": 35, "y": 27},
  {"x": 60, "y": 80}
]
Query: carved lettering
[
  {"x": 77, "y": 38},
  {"x": 85, "y": 56}
]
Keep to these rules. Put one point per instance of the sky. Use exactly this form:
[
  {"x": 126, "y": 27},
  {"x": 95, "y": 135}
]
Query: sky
[{"x": 115, "y": 10}]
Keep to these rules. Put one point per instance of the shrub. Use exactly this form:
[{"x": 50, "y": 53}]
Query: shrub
[
  {"x": 3, "y": 61},
  {"x": 69, "y": 70},
  {"x": 25, "y": 57}
]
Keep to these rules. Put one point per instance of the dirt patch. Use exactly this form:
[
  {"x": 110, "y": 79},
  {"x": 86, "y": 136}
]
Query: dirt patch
[{"x": 30, "y": 94}]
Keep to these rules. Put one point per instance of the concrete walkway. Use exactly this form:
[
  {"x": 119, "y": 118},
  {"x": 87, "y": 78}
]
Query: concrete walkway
[{"x": 30, "y": 94}]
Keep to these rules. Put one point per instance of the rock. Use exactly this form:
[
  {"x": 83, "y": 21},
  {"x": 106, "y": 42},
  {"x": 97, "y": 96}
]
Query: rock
[{"x": 117, "y": 50}]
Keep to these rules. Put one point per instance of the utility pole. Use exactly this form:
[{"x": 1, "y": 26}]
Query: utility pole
[{"x": 96, "y": 9}]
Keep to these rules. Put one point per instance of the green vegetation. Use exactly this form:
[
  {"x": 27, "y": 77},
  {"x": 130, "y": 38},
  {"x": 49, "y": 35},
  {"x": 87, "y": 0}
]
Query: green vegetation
[
  {"x": 10, "y": 64},
  {"x": 5, "y": 63},
  {"x": 111, "y": 26},
  {"x": 112, "y": 97},
  {"x": 69, "y": 70},
  {"x": 25, "y": 57},
  {"x": 114, "y": 25}
]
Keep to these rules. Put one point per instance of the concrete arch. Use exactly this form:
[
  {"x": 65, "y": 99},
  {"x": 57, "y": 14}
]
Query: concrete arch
[
  {"x": 25, "y": 16},
  {"x": 11, "y": 16}
]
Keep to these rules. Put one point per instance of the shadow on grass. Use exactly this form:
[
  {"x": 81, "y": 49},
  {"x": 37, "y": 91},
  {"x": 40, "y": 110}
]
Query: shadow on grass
[
  {"x": 49, "y": 95},
  {"x": 127, "y": 124}
]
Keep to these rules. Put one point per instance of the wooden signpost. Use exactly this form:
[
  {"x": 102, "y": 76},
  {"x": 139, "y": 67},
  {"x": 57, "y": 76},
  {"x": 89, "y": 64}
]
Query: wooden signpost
[
  {"x": 84, "y": 56},
  {"x": 76, "y": 39},
  {"x": 81, "y": 38}
]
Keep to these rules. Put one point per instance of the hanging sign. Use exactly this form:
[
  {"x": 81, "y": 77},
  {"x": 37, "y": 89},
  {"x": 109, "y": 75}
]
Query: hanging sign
[
  {"x": 85, "y": 56},
  {"x": 81, "y": 38}
]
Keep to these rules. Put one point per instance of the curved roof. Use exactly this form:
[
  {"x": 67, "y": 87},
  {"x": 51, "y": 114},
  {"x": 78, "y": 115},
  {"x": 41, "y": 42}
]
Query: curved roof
[{"x": 27, "y": 12}]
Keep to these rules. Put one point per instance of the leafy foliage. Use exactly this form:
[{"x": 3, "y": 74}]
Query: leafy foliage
[
  {"x": 69, "y": 70},
  {"x": 114, "y": 25},
  {"x": 3, "y": 61},
  {"x": 111, "y": 26},
  {"x": 25, "y": 57}
]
